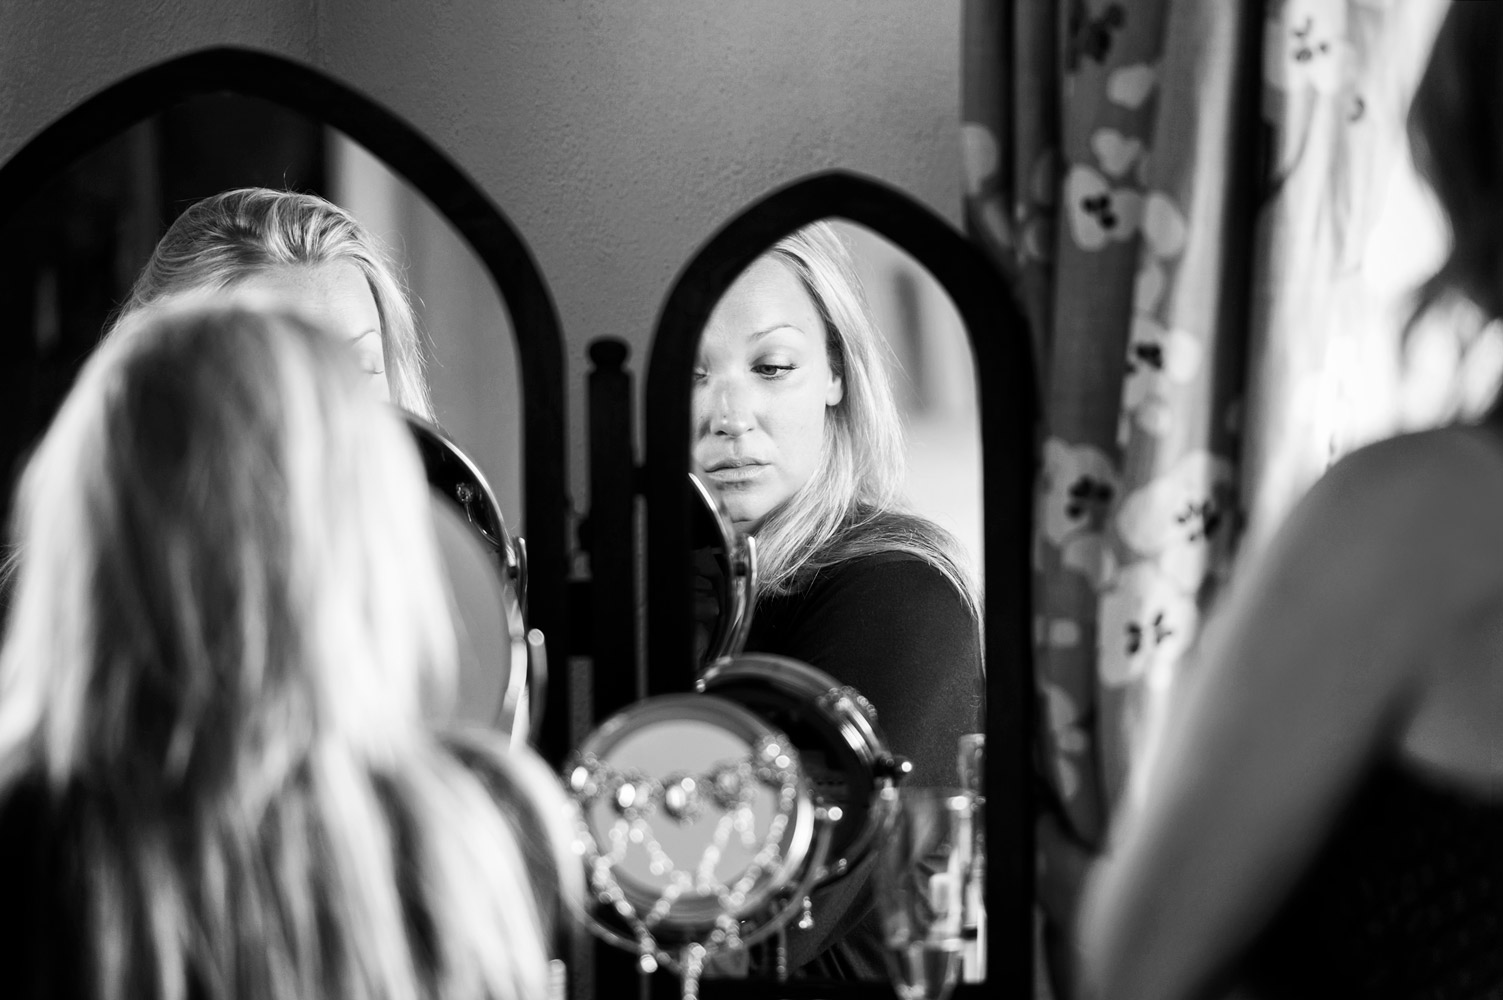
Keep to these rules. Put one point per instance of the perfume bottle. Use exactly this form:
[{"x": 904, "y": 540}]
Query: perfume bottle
[{"x": 971, "y": 765}]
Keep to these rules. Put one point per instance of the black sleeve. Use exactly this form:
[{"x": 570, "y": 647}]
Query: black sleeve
[
  {"x": 896, "y": 629},
  {"x": 42, "y": 937}
]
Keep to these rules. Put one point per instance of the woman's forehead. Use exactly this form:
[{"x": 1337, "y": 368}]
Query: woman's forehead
[
  {"x": 768, "y": 299},
  {"x": 332, "y": 293}
]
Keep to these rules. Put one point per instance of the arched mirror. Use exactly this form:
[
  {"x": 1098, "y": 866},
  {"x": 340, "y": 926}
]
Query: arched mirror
[
  {"x": 86, "y": 201},
  {"x": 839, "y": 367},
  {"x": 739, "y": 436}
]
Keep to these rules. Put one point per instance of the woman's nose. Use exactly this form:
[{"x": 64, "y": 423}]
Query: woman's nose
[{"x": 730, "y": 416}]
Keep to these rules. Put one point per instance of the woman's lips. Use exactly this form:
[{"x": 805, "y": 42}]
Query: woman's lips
[{"x": 736, "y": 475}]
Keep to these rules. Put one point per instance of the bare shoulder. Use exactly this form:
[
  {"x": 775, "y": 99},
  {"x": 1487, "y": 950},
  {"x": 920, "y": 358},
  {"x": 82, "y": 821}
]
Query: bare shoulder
[
  {"x": 1413, "y": 506},
  {"x": 1462, "y": 450},
  {"x": 1455, "y": 469}
]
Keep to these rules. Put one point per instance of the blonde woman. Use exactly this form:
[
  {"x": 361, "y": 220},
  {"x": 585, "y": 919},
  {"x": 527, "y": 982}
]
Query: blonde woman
[
  {"x": 796, "y": 431},
  {"x": 310, "y": 254},
  {"x": 214, "y": 778}
]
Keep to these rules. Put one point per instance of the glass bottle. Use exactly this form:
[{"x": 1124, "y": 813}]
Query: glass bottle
[{"x": 971, "y": 765}]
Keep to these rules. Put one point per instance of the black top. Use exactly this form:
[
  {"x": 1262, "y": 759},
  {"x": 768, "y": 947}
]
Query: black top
[
  {"x": 42, "y": 915},
  {"x": 895, "y": 628},
  {"x": 1404, "y": 899}
]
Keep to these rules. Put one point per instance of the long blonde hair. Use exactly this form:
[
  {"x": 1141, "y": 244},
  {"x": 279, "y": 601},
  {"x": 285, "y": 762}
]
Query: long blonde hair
[
  {"x": 852, "y": 504},
  {"x": 231, "y": 236},
  {"x": 227, "y": 598}
]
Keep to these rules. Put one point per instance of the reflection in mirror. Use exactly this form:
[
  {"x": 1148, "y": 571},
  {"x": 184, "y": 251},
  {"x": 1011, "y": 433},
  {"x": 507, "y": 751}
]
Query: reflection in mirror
[
  {"x": 502, "y": 667},
  {"x": 834, "y": 418},
  {"x": 725, "y": 578},
  {"x": 73, "y": 251},
  {"x": 70, "y": 255}
]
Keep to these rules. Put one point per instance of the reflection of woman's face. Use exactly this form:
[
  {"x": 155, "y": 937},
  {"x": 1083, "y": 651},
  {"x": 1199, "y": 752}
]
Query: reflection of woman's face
[
  {"x": 335, "y": 295},
  {"x": 762, "y": 386}
]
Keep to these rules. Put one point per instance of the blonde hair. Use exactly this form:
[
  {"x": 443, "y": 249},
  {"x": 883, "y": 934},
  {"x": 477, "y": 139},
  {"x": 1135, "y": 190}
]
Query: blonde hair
[
  {"x": 227, "y": 598},
  {"x": 231, "y": 236},
  {"x": 852, "y": 505}
]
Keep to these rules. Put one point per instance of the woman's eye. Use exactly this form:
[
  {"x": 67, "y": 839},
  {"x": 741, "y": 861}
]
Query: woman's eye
[{"x": 771, "y": 370}]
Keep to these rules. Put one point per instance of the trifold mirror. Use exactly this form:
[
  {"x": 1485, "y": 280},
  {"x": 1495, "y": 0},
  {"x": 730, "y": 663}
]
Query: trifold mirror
[{"x": 750, "y": 796}]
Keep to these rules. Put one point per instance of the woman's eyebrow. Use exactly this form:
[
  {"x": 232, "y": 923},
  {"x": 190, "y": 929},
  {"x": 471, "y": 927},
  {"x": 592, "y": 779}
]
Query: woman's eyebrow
[{"x": 759, "y": 334}]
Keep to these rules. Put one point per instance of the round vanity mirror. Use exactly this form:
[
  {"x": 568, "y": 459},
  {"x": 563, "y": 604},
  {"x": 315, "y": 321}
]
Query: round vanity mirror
[
  {"x": 725, "y": 578},
  {"x": 500, "y": 662},
  {"x": 698, "y": 828},
  {"x": 697, "y": 809},
  {"x": 840, "y": 744}
]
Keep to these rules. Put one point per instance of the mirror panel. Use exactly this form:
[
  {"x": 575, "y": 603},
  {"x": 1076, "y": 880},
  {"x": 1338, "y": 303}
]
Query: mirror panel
[
  {"x": 1007, "y": 393},
  {"x": 73, "y": 249},
  {"x": 886, "y": 609}
]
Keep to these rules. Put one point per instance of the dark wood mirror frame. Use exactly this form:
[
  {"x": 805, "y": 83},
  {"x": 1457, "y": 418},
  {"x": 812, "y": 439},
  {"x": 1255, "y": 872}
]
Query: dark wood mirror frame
[
  {"x": 1007, "y": 393},
  {"x": 467, "y": 208}
]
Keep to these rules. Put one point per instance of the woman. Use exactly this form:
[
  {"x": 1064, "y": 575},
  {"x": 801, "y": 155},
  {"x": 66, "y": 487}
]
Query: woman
[
  {"x": 1322, "y": 812},
  {"x": 796, "y": 431},
  {"x": 214, "y": 778},
  {"x": 312, "y": 255}
]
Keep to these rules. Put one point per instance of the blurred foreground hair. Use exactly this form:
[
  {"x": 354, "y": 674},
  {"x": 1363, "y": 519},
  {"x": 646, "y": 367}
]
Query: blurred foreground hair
[{"x": 226, "y": 604}]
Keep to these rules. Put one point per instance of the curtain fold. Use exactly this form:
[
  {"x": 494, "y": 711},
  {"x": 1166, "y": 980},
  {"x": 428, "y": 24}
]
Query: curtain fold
[
  {"x": 1334, "y": 271},
  {"x": 1110, "y": 216}
]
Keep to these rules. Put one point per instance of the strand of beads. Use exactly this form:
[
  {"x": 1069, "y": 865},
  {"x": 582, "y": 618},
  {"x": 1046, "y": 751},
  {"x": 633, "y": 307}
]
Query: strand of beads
[
  {"x": 774, "y": 766},
  {"x": 610, "y": 894},
  {"x": 634, "y": 797}
]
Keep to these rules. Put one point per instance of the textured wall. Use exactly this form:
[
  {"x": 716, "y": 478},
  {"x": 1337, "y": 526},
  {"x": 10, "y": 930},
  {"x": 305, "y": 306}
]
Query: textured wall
[
  {"x": 616, "y": 135},
  {"x": 56, "y": 53}
]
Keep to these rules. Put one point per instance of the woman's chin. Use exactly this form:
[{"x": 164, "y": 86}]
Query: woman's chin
[{"x": 744, "y": 517}]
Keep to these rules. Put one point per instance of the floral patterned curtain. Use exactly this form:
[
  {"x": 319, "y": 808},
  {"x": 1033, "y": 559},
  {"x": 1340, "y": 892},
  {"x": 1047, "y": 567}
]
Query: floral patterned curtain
[
  {"x": 1108, "y": 157},
  {"x": 1152, "y": 176}
]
